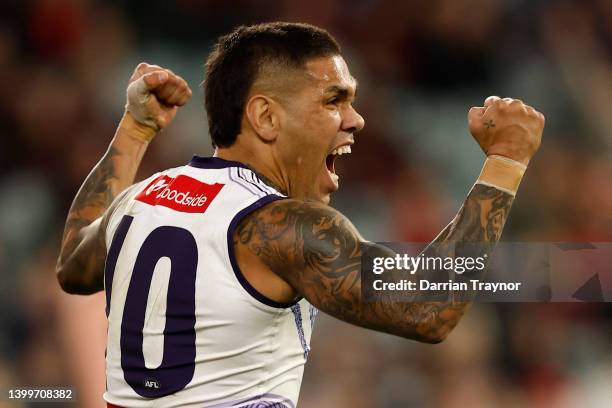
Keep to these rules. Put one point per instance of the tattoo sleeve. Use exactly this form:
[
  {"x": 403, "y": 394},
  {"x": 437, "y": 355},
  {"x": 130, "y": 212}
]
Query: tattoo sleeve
[
  {"x": 80, "y": 266},
  {"x": 317, "y": 251}
]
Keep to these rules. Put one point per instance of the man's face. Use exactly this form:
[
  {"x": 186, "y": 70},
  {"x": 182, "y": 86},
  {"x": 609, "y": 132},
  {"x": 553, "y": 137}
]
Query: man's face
[{"x": 318, "y": 127}]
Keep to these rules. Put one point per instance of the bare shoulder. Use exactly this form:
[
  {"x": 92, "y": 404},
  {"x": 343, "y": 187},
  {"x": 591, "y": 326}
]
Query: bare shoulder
[{"x": 293, "y": 236}]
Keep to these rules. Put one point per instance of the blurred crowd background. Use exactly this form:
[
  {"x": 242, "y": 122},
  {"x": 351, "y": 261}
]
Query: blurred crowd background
[{"x": 64, "y": 65}]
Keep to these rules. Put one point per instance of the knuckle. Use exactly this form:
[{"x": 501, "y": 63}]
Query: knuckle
[
  {"x": 151, "y": 68},
  {"x": 501, "y": 106}
]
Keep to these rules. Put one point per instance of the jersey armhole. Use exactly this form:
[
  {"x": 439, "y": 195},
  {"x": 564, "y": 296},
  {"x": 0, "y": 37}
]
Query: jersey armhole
[
  {"x": 232, "y": 256},
  {"x": 126, "y": 196}
]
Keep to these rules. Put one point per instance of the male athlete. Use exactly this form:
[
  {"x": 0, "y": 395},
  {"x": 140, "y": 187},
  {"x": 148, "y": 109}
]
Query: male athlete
[{"x": 214, "y": 271}]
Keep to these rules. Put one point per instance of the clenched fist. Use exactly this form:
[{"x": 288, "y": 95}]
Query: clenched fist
[
  {"x": 154, "y": 95},
  {"x": 507, "y": 127}
]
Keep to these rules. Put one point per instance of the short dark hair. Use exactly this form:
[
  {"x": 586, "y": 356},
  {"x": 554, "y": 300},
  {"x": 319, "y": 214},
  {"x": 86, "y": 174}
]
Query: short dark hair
[{"x": 234, "y": 63}]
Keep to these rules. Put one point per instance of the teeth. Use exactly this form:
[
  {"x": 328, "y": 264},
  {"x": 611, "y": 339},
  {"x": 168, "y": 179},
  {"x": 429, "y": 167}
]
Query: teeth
[{"x": 341, "y": 150}]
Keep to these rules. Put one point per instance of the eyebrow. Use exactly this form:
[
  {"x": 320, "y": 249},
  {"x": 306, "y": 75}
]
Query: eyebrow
[{"x": 341, "y": 91}]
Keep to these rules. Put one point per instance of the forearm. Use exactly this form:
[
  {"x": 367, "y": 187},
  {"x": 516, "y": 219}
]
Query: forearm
[
  {"x": 476, "y": 229},
  {"x": 114, "y": 172}
]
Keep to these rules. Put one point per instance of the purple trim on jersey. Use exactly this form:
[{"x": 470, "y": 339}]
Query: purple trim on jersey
[
  {"x": 230, "y": 249},
  {"x": 243, "y": 176},
  {"x": 313, "y": 312},
  {"x": 261, "y": 183},
  {"x": 213, "y": 163},
  {"x": 297, "y": 314},
  {"x": 258, "y": 401},
  {"x": 241, "y": 184}
]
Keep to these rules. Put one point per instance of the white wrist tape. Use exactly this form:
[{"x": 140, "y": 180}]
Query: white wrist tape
[
  {"x": 509, "y": 161},
  {"x": 138, "y": 95},
  {"x": 502, "y": 173}
]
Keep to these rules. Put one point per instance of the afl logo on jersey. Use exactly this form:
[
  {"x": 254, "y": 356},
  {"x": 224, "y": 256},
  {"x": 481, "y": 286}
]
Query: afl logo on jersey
[
  {"x": 183, "y": 193},
  {"x": 152, "y": 384}
]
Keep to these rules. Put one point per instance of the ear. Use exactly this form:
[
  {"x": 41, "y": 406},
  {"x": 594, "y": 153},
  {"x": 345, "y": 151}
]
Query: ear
[{"x": 261, "y": 114}]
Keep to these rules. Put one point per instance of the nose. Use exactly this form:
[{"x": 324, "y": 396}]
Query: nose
[{"x": 353, "y": 122}]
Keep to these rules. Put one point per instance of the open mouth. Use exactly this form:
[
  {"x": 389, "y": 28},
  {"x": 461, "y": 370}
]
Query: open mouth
[{"x": 330, "y": 163}]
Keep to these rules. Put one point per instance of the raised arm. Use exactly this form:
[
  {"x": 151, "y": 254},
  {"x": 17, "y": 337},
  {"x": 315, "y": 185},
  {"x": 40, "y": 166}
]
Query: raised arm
[
  {"x": 317, "y": 250},
  {"x": 154, "y": 95}
]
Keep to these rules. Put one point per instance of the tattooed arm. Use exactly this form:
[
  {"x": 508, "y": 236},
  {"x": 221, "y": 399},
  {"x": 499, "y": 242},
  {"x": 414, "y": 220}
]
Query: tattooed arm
[
  {"x": 80, "y": 266},
  {"x": 317, "y": 251},
  {"x": 154, "y": 95}
]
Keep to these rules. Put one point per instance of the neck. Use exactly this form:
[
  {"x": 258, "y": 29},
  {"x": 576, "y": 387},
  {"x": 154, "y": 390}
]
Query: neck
[{"x": 267, "y": 170}]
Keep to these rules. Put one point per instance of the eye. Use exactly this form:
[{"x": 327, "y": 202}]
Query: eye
[{"x": 332, "y": 101}]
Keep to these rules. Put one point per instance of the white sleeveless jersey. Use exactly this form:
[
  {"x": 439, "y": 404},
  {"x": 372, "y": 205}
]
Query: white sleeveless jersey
[{"x": 185, "y": 327}]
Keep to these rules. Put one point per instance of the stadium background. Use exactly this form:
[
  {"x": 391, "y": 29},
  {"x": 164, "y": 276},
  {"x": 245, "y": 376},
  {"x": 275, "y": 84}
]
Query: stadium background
[{"x": 64, "y": 66}]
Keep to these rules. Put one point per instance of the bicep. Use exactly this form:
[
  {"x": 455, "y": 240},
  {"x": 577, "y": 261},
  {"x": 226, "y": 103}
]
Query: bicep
[
  {"x": 329, "y": 271},
  {"x": 82, "y": 272},
  {"x": 315, "y": 249},
  {"x": 318, "y": 252}
]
